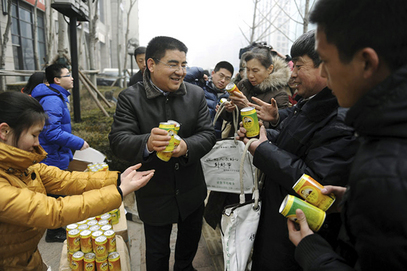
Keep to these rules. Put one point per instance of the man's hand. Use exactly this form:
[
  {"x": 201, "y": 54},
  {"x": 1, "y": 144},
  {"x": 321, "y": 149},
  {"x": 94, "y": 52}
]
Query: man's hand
[
  {"x": 239, "y": 99},
  {"x": 294, "y": 234},
  {"x": 180, "y": 150},
  {"x": 242, "y": 136},
  {"x": 266, "y": 111},
  {"x": 158, "y": 140},
  {"x": 338, "y": 191},
  {"x": 230, "y": 107}
]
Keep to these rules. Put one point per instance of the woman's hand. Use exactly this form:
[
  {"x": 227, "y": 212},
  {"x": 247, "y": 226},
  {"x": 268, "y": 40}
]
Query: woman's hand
[
  {"x": 239, "y": 99},
  {"x": 132, "y": 180}
]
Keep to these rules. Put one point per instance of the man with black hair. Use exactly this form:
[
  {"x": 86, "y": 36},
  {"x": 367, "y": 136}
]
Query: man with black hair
[
  {"x": 363, "y": 51},
  {"x": 214, "y": 87},
  {"x": 309, "y": 138},
  {"x": 177, "y": 191},
  {"x": 57, "y": 138},
  {"x": 140, "y": 57}
]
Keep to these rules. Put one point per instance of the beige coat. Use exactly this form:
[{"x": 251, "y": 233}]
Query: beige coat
[{"x": 26, "y": 211}]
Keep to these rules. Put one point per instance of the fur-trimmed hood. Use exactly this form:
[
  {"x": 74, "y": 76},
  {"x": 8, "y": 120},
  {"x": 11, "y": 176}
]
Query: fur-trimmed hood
[{"x": 278, "y": 78}]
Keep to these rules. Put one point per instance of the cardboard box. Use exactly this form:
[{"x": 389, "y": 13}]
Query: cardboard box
[{"x": 81, "y": 159}]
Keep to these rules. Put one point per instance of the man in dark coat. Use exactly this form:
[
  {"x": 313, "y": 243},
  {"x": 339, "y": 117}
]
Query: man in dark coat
[
  {"x": 364, "y": 61},
  {"x": 311, "y": 138},
  {"x": 176, "y": 193},
  {"x": 140, "y": 57}
]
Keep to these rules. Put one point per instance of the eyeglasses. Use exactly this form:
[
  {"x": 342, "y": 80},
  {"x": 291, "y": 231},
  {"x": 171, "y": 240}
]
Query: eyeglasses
[
  {"x": 222, "y": 76},
  {"x": 68, "y": 75},
  {"x": 174, "y": 67}
]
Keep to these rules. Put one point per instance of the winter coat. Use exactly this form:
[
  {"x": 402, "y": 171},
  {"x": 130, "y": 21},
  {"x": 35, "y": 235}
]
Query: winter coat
[
  {"x": 312, "y": 139},
  {"x": 178, "y": 187},
  {"x": 212, "y": 95},
  {"x": 26, "y": 211},
  {"x": 57, "y": 138},
  {"x": 375, "y": 204},
  {"x": 138, "y": 77}
]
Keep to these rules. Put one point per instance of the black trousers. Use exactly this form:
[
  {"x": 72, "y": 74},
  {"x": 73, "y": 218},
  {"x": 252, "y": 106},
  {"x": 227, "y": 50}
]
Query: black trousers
[{"x": 158, "y": 243}]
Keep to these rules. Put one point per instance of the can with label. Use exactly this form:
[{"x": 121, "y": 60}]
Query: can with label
[
  {"x": 310, "y": 190},
  {"x": 94, "y": 228},
  {"x": 102, "y": 265},
  {"x": 315, "y": 216},
  {"x": 89, "y": 262},
  {"x": 106, "y": 228},
  {"x": 73, "y": 240},
  {"x": 114, "y": 261},
  {"x": 103, "y": 222},
  {"x": 92, "y": 223},
  {"x": 232, "y": 88},
  {"x": 166, "y": 156},
  {"x": 83, "y": 227},
  {"x": 95, "y": 235},
  {"x": 115, "y": 216},
  {"x": 250, "y": 121},
  {"x": 177, "y": 125},
  {"x": 107, "y": 217},
  {"x": 77, "y": 261},
  {"x": 101, "y": 247},
  {"x": 86, "y": 241},
  {"x": 111, "y": 240},
  {"x": 170, "y": 128}
]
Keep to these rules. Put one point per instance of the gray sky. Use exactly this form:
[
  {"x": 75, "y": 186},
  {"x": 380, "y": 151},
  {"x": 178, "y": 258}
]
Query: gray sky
[{"x": 210, "y": 28}]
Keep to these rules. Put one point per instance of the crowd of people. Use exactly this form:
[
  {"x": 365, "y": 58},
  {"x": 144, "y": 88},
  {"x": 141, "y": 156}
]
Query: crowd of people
[{"x": 334, "y": 110}]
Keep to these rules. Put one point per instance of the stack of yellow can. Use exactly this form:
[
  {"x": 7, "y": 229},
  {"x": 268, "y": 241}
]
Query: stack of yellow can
[{"x": 91, "y": 243}]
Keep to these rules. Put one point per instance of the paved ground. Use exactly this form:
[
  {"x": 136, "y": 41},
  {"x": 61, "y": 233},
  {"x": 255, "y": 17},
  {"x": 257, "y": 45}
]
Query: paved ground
[{"x": 208, "y": 258}]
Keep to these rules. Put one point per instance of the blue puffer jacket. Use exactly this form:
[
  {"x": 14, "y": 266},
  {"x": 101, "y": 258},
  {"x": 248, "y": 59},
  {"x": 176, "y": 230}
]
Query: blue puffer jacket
[
  {"x": 57, "y": 139},
  {"x": 212, "y": 96}
]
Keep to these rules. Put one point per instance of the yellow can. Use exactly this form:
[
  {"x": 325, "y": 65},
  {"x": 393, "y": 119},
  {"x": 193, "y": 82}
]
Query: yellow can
[
  {"x": 95, "y": 235},
  {"x": 92, "y": 223},
  {"x": 106, "y": 228},
  {"x": 77, "y": 261},
  {"x": 232, "y": 88},
  {"x": 107, "y": 217},
  {"x": 166, "y": 156},
  {"x": 114, "y": 261},
  {"x": 315, "y": 216},
  {"x": 71, "y": 227},
  {"x": 86, "y": 241},
  {"x": 177, "y": 125},
  {"x": 115, "y": 216},
  {"x": 102, "y": 264},
  {"x": 89, "y": 262},
  {"x": 310, "y": 190},
  {"x": 250, "y": 121},
  {"x": 73, "y": 240},
  {"x": 111, "y": 240},
  {"x": 101, "y": 247}
]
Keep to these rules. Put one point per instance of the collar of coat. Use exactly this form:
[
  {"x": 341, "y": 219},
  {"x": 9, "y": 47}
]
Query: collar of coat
[
  {"x": 16, "y": 161},
  {"x": 152, "y": 91},
  {"x": 320, "y": 106},
  {"x": 278, "y": 78}
]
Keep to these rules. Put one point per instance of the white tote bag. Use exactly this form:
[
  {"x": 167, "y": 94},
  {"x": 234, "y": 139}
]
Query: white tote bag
[
  {"x": 239, "y": 227},
  {"x": 222, "y": 164}
]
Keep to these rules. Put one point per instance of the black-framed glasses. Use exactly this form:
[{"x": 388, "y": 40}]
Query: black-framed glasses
[
  {"x": 68, "y": 75},
  {"x": 174, "y": 67}
]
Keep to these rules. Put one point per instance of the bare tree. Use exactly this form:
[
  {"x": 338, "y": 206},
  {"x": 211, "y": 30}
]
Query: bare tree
[
  {"x": 3, "y": 42},
  {"x": 132, "y": 3}
]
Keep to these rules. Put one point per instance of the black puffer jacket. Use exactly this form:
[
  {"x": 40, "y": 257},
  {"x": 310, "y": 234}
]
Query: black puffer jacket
[
  {"x": 311, "y": 139},
  {"x": 375, "y": 209},
  {"x": 178, "y": 187}
]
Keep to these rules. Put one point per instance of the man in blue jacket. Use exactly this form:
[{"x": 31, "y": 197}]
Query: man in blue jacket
[
  {"x": 214, "y": 87},
  {"x": 57, "y": 138}
]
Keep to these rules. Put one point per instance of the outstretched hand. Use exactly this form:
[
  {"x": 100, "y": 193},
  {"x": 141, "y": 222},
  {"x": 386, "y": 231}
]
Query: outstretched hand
[
  {"x": 132, "y": 180},
  {"x": 296, "y": 235},
  {"x": 266, "y": 111}
]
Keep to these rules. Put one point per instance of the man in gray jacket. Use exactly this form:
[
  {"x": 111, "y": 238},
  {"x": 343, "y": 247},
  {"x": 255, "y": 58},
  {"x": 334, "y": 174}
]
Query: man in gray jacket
[{"x": 177, "y": 191}]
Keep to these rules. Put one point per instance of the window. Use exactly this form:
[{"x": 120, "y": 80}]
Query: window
[{"x": 22, "y": 36}]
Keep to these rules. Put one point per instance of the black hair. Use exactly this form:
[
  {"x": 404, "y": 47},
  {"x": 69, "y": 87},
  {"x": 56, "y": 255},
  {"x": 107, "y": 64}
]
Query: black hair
[
  {"x": 54, "y": 70},
  {"x": 305, "y": 45},
  {"x": 224, "y": 65},
  {"x": 139, "y": 51},
  {"x": 20, "y": 112},
  {"x": 34, "y": 80},
  {"x": 262, "y": 54},
  {"x": 158, "y": 46},
  {"x": 352, "y": 25}
]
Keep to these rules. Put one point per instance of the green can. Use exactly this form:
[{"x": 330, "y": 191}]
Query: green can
[
  {"x": 250, "y": 121},
  {"x": 315, "y": 216}
]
